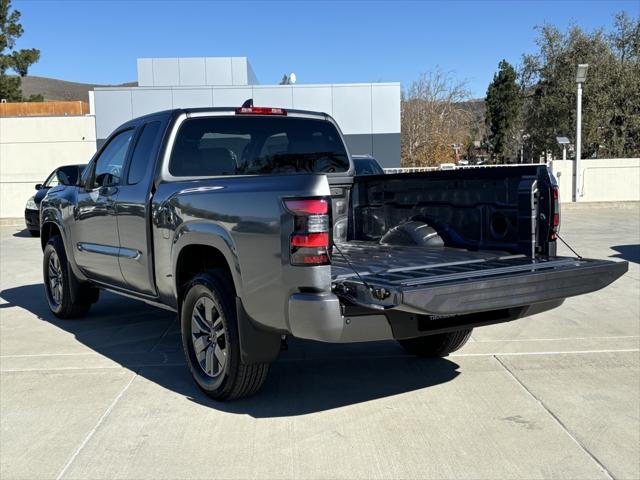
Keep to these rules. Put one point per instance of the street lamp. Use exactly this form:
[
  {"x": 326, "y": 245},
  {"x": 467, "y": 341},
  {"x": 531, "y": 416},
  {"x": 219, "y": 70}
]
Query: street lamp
[{"x": 581, "y": 77}]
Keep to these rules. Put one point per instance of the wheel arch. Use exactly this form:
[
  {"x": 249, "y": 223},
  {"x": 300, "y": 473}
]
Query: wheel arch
[{"x": 200, "y": 247}]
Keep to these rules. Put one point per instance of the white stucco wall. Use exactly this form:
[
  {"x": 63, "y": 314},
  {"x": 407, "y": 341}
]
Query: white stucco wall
[
  {"x": 32, "y": 147},
  {"x": 603, "y": 180}
]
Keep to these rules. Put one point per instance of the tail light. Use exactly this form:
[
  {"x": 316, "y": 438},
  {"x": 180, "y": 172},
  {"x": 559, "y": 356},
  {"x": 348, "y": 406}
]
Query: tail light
[
  {"x": 260, "y": 111},
  {"x": 555, "y": 213},
  {"x": 310, "y": 240}
]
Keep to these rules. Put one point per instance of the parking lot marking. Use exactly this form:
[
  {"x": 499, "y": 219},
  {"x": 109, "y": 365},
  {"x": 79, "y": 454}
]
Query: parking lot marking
[
  {"x": 558, "y": 421},
  {"x": 95, "y": 428},
  {"x": 558, "y": 352},
  {"x": 288, "y": 360},
  {"x": 557, "y": 339},
  {"x": 49, "y": 355}
]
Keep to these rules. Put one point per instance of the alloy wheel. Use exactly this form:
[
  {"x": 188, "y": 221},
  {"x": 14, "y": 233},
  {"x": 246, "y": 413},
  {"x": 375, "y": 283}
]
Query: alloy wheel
[
  {"x": 55, "y": 279},
  {"x": 208, "y": 336}
]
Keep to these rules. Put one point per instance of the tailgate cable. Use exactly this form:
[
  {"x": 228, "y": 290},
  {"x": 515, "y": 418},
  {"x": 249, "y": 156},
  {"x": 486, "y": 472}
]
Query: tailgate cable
[
  {"x": 569, "y": 246},
  {"x": 378, "y": 293}
]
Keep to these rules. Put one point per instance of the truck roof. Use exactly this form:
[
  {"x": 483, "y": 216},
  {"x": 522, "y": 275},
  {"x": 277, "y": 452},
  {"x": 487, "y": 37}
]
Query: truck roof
[{"x": 231, "y": 110}]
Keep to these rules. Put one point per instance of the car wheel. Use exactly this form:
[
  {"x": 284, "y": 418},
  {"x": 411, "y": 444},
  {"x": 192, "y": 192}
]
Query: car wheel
[
  {"x": 66, "y": 296},
  {"x": 210, "y": 340},
  {"x": 439, "y": 345}
]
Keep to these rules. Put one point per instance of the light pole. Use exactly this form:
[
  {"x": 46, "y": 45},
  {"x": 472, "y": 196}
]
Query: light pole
[{"x": 581, "y": 76}]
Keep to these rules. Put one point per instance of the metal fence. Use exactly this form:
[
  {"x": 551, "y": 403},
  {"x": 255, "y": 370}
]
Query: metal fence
[{"x": 457, "y": 167}]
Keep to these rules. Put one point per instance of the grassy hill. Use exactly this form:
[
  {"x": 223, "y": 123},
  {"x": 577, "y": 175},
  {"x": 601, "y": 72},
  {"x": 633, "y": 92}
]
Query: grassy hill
[{"x": 53, "y": 89}]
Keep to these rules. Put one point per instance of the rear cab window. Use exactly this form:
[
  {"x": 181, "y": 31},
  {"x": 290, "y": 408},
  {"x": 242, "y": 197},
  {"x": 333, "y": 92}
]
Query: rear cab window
[{"x": 256, "y": 145}]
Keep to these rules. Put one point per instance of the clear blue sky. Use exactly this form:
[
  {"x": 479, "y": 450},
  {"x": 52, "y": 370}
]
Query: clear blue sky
[{"x": 323, "y": 42}]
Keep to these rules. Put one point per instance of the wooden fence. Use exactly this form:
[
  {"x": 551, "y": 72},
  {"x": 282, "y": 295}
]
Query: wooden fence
[{"x": 43, "y": 109}]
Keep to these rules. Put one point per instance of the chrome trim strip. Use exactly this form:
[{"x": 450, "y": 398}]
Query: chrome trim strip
[{"x": 109, "y": 250}]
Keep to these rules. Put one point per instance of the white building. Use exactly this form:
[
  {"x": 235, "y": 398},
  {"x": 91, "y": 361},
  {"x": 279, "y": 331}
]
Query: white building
[{"x": 368, "y": 113}]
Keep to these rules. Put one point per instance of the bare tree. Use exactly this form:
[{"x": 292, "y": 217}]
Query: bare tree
[{"x": 433, "y": 119}]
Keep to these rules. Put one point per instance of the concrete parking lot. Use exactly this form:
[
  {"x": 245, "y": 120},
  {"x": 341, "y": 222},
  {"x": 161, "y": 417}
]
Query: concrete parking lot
[{"x": 552, "y": 396}]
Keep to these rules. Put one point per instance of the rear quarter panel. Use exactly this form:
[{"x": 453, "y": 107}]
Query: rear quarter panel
[{"x": 244, "y": 218}]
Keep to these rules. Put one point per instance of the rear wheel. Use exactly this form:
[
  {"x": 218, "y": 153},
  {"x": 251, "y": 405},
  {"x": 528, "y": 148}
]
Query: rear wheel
[
  {"x": 66, "y": 296},
  {"x": 439, "y": 345},
  {"x": 210, "y": 340}
]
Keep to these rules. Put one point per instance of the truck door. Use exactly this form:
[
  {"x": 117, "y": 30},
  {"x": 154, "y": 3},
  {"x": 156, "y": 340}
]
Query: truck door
[
  {"x": 132, "y": 210},
  {"x": 97, "y": 245}
]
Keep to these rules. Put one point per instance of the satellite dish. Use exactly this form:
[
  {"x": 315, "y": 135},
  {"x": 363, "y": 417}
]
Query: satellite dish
[{"x": 292, "y": 78}]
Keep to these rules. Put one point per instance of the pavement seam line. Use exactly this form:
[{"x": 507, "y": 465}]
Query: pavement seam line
[
  {"x": 308, "y": 359},
  {"x": 95, "y": 428},
  {"x": 604, "y": 469},
  {"x": 479, "y": 354},
  {"x": 163, "y": 335}
]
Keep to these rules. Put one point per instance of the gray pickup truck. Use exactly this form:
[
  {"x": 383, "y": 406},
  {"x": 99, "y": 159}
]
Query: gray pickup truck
[{"x": 251, "y": 225}]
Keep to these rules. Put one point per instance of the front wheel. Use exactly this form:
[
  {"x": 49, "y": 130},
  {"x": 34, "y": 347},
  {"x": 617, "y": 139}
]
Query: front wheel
[
  {"x": 66, "y": 296},
  {"x": 211, "y": 343},
  {"x": 439, "y": 345}
]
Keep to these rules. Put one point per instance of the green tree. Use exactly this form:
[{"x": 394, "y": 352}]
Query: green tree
[
  {"x": 11, "y": 59},
  {"x": 611, "y": 93},
  {"x": 503, "y": 104}
]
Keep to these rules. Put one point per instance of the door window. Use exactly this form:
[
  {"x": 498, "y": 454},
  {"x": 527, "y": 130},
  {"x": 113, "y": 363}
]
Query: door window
[
  {"x": 142, "y": 154},
  {"x": 108, "y": 169}
]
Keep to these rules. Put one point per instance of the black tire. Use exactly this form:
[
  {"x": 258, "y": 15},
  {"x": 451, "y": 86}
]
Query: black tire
[
  {"x": 210, "y": 339},
  {"x": 66, "y": 296},
  {"x": 34, "y": 233},
  {"x": 439, "y": 345}
]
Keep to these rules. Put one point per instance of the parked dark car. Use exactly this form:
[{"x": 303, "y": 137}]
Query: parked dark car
[
  {"x": 250, "y": 224},
  {"x": 67, "y": 175},
  {"x": 366, "y": 165}
]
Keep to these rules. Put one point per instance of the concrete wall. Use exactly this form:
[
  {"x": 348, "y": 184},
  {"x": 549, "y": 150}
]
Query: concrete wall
[
  {"x": 368, "y": 114},
  {"x": 603, "y": 180},
  {"x": 32, "y": 147}
]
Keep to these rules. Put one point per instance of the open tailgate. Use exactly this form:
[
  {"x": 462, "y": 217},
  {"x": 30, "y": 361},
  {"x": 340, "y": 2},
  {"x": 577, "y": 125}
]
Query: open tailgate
[{"x": 468, "y": 285}]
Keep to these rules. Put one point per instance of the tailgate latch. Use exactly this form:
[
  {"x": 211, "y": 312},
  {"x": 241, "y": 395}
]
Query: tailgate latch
[{"x": 379, "y": 293}]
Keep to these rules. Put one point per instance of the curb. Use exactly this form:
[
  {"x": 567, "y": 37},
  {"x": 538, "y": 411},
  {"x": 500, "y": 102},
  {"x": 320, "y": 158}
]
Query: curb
[
  {"x": 581, "y": 205},
  {"x": 12, "y": 222}
]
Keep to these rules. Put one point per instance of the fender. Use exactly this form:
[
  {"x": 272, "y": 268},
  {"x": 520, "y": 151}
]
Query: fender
[
  {"x": 212, "y": 235},
  {"x": 52, "y": 215}
]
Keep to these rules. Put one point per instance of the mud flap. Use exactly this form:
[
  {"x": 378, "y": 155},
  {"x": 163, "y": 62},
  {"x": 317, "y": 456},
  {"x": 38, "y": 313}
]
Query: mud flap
[{"x": 256, "y": 344}]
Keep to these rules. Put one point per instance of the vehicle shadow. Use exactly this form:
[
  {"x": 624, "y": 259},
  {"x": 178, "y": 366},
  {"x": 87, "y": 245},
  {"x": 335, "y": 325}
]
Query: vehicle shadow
[
  {"x": 23, "y": 233},
  {"x": 630, "y": 253},
  {"x": 308, "y": 377}
]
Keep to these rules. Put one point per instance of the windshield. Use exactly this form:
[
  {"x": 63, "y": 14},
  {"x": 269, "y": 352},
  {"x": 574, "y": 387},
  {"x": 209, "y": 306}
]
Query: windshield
[
  {"x": 254, "y": 145},
  {"x": 64, "y": 176}
]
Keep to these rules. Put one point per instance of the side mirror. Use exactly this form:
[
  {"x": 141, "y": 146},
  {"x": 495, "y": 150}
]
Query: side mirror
[{"x": 38, "y": 186}]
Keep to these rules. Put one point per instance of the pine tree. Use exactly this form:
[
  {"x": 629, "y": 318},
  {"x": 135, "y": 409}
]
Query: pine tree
[
  {"x": 11, "y": 59},
  {"x": 503, "y": 109}
]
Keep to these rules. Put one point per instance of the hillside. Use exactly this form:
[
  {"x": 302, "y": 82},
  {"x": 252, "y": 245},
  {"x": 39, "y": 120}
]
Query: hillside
[{"x": 53, "y": 89}]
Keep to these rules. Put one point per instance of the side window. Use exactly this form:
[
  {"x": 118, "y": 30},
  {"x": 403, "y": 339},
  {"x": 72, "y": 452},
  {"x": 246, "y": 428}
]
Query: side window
[
  {"x": 142, "y": 154},
  {"x": 108, "y": 169}
]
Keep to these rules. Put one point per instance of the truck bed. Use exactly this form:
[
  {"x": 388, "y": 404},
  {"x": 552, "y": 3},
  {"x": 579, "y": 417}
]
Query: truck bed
[{"x": 451, "y": 281}]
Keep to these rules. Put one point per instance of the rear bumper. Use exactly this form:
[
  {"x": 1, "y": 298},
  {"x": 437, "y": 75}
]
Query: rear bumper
[
  {"x": 319, "y": 317},
  {"x": 32, "y": 219}
]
